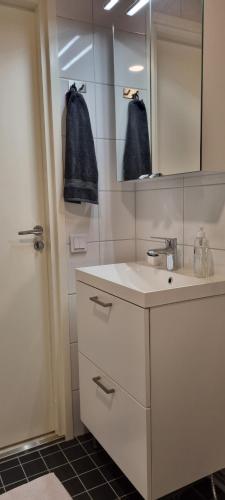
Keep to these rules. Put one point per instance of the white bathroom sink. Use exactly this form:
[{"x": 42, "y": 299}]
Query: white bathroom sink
[{"x": 148, "y": 286}]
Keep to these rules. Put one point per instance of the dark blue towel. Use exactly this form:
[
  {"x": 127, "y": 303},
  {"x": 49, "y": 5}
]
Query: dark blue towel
[
  {"x": 81, "y": 172},
  {"x": 136, "y": 159}
]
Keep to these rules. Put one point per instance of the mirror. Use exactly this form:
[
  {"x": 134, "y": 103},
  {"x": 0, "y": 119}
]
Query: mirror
[
  {"x": 132, "y": 98},
  {"x": 158, "y": 87}
]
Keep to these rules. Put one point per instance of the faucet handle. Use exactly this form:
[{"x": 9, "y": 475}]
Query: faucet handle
[{"x": 172, "y": 242}]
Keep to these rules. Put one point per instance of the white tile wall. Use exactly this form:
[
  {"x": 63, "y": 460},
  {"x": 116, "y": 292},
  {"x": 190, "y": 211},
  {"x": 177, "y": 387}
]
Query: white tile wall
[
  {"x": 110, "y": 227},
  {"x": 205, "y": 206},
  {"x": 159, "y": 213},
  {"x": 82, "y": 219},
  {"x": 103, "y": 51},
  {"x": 78, "y": 426},
  {"x": 74, "y": 366},
  {"x": 117, "y": 251},
  {"x": 105, "y": 112},
  {"x": 90, "y": 258},
  {"x": 116, "y": 215},
  {"x": 77, "y": 62},
  {"x": 72, "y": 318},
  {"x": 194, "y": 201}
]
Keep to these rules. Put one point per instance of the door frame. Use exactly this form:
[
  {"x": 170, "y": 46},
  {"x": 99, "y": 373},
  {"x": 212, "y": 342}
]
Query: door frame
[{"x": 49, "y": 90}]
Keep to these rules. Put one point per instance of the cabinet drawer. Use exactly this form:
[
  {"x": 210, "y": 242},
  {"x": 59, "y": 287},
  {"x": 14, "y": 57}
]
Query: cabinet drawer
[
  {"x": 116, "y": 339},
  {"x": 118, "y": 422}
]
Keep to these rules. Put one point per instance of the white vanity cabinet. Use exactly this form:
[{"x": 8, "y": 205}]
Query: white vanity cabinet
[{"x": 152, "y": 383}]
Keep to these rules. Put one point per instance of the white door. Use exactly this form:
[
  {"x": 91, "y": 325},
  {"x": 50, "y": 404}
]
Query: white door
[{"x": 26, "y": 408}]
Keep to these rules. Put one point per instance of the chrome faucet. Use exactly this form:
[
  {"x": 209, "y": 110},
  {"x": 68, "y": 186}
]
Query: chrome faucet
[{"x": 170, "y": 251}]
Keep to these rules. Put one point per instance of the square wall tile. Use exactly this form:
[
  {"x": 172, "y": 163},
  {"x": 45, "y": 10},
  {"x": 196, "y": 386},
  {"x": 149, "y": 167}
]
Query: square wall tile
[
  {"x": 105, "y": 112},
  {"x": 130, "y": 50},
  {"x": 78, "y": 426},
  {"x": 77, "y": 10},
  {"x": 159, "y": 213},
  {"x": 205, "y": 206},
  {"x": 112, "y": 252},
  {"x": 75, "y": 50},
  {"x": 90, "y": 258},
  {"x": 83, "y": 219},
  {"x": 72, "y": 317},
  {"x": 74, "y": 366},
  {"x": 117, "y": 215},
  {"x": 103, "y": 55},
  {"x": 89, "y": 97},
  {"x": 107, "y": 166}
]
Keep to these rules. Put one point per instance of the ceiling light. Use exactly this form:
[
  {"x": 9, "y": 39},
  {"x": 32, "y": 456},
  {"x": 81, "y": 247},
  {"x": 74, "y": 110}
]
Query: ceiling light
[
  {"x": 68, "y": 45},
  {"x": 136, "y": 68},
  {"x": 109, "y": 5},
  {"x": 137, "y": 6},
  {"x": 79, "y": 56}
]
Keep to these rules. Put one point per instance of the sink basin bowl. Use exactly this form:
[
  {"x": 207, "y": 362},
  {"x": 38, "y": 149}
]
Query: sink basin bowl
[{"x": 147, "y": 286}]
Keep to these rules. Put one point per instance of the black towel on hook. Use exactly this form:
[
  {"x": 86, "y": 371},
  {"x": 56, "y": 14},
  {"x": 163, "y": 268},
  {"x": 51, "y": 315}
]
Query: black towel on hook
[
  {"x": 81, "y": 172},
  {"x": 136, "y": 158}
]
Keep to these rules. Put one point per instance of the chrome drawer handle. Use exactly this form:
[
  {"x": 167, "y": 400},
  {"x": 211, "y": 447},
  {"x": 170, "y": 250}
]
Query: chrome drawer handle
[
  {"x": 97, "y": 381},
  {"x": 99, "y": 302}
]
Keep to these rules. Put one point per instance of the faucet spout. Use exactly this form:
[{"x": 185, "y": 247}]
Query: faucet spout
[{"x": 170, "y": 250}]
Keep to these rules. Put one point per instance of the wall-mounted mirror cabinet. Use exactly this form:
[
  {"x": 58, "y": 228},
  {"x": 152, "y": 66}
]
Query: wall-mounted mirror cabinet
[
  {"x": 167, "y": 84},
  {"x": 158, "y": 89},
  {"x": 176, "y": 85}
]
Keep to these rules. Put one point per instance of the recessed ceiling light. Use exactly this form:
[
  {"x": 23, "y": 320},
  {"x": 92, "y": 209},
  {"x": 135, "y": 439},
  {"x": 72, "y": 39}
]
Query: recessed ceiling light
[
  {"x": 136, "y": 68},
  {"x": 109, "y": 5},
  {"x": 137, "y": 6}
]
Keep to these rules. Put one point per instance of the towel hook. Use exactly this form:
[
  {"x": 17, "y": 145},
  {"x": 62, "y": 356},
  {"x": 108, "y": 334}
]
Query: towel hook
[
  {"x": 136, "y": 95},
  {"x": 77, "y": 86},
  {"x": 129, "y": 93}
]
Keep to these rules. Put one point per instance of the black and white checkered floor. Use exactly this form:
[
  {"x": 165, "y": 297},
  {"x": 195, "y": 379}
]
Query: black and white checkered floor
[{"x": 86, "y": 471}]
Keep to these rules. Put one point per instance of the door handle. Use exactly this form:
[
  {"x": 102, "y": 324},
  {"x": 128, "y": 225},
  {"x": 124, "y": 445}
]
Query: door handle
[
  {"x": 37, "y": 231},
  {"x": 97, "y": 381},
  {"x": 96, "y": 300}
]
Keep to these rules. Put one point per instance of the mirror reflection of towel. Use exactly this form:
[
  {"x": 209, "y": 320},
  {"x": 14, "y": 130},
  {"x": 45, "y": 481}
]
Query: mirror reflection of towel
[
  {"x": 136, "y": 158},
  {"x": 81, "y": 172}
]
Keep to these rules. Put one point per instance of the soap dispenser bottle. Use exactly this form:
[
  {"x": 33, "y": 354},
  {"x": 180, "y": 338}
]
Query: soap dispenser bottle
[{"x": 201, "y": 254}]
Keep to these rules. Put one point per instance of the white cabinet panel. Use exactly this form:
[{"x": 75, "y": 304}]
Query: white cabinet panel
[
  {"x": 118, "y": 422},
  {"x": 116, "y": 339},
  {"x": 187, "y": 403}
]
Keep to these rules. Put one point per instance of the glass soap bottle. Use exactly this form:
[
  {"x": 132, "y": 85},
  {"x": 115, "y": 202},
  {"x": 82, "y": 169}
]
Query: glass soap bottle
[{"x": 201, "y": 254}]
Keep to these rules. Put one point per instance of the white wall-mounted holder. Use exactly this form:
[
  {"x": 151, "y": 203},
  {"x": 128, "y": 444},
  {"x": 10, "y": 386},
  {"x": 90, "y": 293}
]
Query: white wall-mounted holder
[{"x": 81, "y": 86}]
